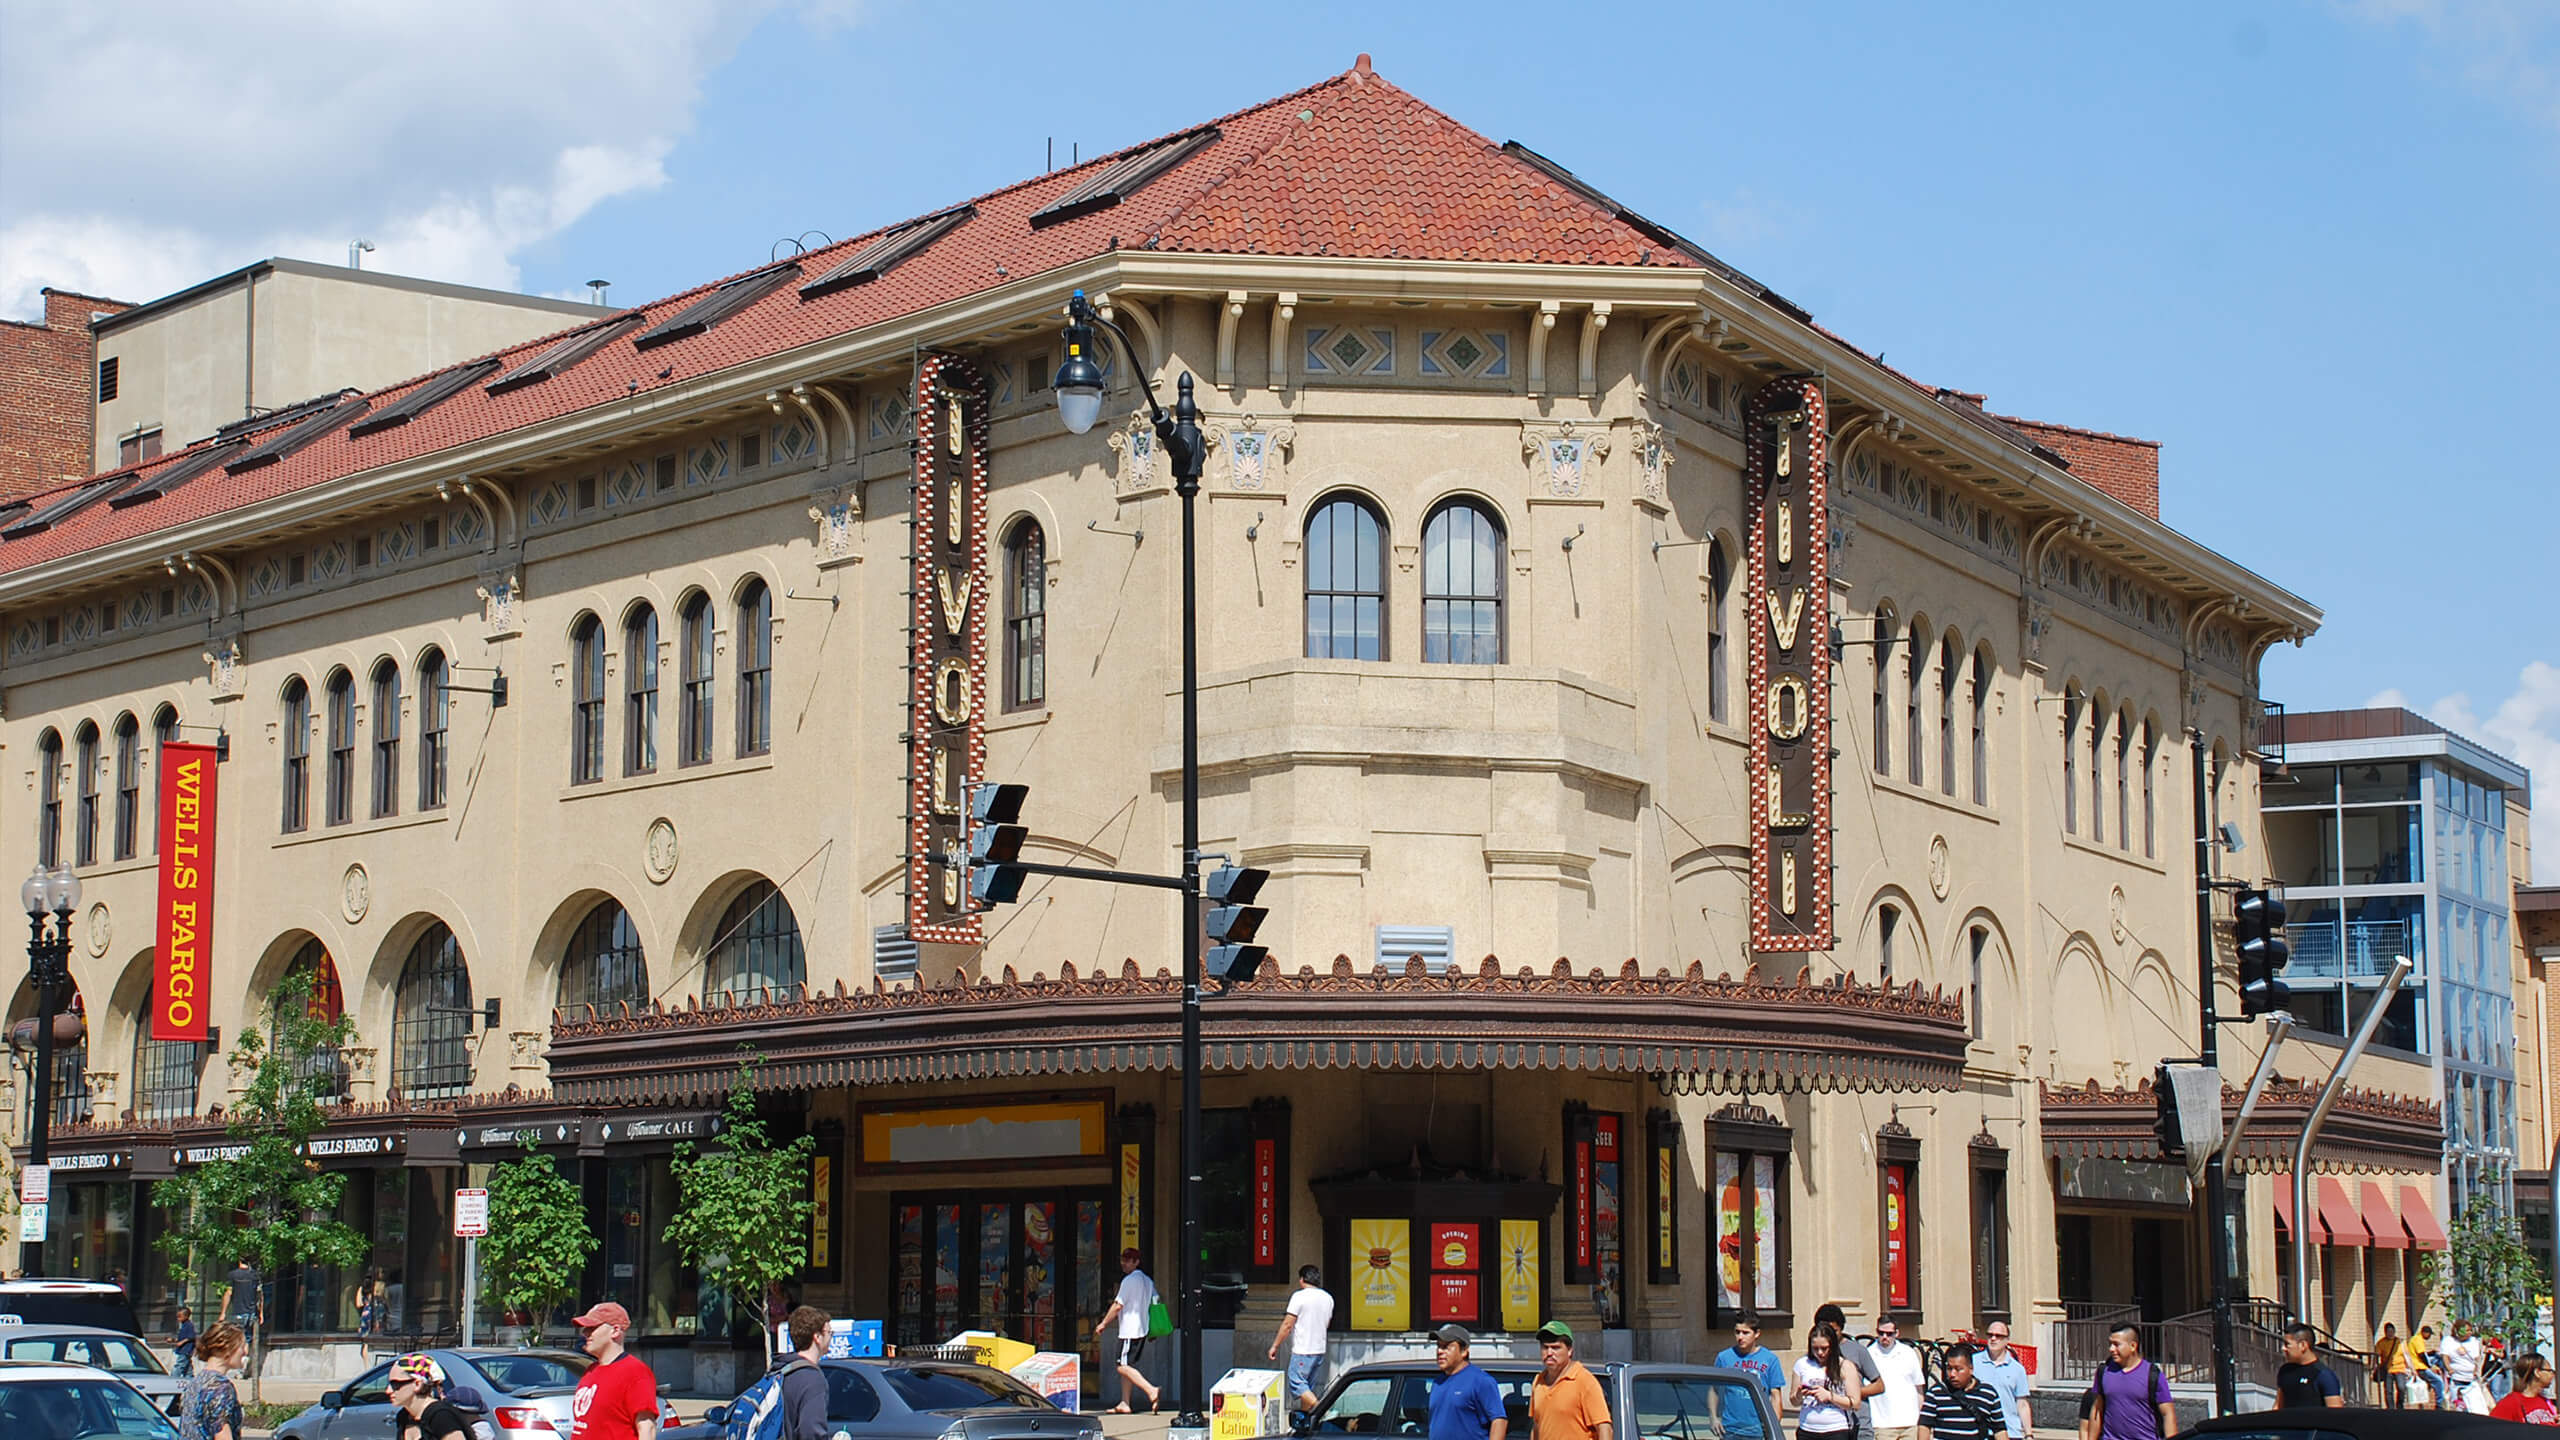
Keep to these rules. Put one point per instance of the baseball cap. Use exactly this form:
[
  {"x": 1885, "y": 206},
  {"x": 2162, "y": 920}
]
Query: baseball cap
[
  {"x": 1556, "y": 1330},
  {"x": 417, "y": 1367},
  {"x": 1453, "y": 1335},
  {"x": 604, "y": 1312}
]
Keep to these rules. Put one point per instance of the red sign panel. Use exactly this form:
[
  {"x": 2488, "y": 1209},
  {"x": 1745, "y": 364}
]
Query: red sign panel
[
  {"x": 1582, "y": 1206},
  {"x": 1453, "y": 1247},
  {"x": 1454, "y": 1297},
  {"x": 182, "y": 975},
  {"x": 1789, "y": 598},
  {"x": 1266, "y": 1202},
  {"x": 1897, "y": 1237},
  {"x": 946, "y": 705}
]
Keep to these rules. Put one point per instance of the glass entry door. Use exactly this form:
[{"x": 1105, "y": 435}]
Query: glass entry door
[{"x": 1032, "y": 1265}]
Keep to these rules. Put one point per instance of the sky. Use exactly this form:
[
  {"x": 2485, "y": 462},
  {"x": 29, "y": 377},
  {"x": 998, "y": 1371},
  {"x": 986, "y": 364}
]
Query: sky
[{"x": 2307, "y": 246}]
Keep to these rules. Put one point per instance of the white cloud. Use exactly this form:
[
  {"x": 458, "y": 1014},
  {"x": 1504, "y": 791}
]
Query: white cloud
[
  {"x": 2525, "y": 727},
  {"x": 2507, "y": 50},
  {"x": 148, "y": 144}
]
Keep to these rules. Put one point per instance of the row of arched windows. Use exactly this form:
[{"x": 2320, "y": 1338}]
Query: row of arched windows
[
  {"x": 338, "y": 739},
  {"x": 1932, "y": 703},
  {"x": 1463, "y": 621},
  {"x": 103, "y": 818},
  {"x": 697, "y": 663},
  {"x": 2109, "y": 745}
]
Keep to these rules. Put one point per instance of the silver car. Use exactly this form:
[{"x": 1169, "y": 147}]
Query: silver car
[
  {"x": 523, "y": 1394},
  {"x": 127, "y": 1357},
  {"x": 74, "y": 1402}
]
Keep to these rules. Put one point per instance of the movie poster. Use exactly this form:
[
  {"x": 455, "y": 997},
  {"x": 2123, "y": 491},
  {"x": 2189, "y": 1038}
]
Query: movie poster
[
  {"x": 1609, "y": 1272},
  {"x": 946, "y": 1271},
  {"x": 1040, "y": 1273},
  {"x": 1520, "y": 1275},
  {"x": 910, "y": 1275},
  {"x": 1381, "y": 1274},
  {"x": 1764, "y": 1235},
  {"x": 1733, "y": 1239}
]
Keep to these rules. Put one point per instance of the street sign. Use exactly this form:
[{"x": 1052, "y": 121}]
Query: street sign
[
  {"x": 31, "y": 1221},
  {"x": 470, "y": 1214},
  {"x": 35, "y": 1185}
]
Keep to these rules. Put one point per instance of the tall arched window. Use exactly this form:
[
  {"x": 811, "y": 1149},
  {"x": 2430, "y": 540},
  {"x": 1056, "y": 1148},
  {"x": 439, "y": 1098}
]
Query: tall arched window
[
  {"x": 1981, "y": 729},
  {"x": 640, "y": 691},
  {"x": 341, "y": 786},
  {"x": 756, "y": 951},
  {"x": 755, "y": 669},
  {"x": 85, "y": 757},
  {"x": 49, "y": 799},
  {"x": 1719, "y": 628},
  {"x": 604, "y": 968},
  {"x": 326, "y": 1000},
  {"x": 693, "y": 720},
  {"x": 1915, "y": 669},
  {"x": 586, "y": 701},
  {"x": 435, "y": 718},
  {"x": 1462, "y": 586},
  {"x": 164, "y": 1071},
  {"x": 297, "y": 755},
  {"x": 2124, "y": 781},
  {"x": 1026, "y": 616},
  {"x": 431, "y": 1020},
  {"x": 2071, "y": 760},
  {"x": 1882, "y": 717},
  {"x": 2097, "y": 772},
  {"x": 1888, "y": 924},
  {"x": 164, "y": 733},
  {"x": 386, "y": 738},
  {"x": 2150, "y": 802},
  {"x": 128, "y": 827},
  {"x": 1947, "y": 676},
  {"x": 1346, "y": 582}
]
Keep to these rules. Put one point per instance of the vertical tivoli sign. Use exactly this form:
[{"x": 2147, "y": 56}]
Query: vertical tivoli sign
[
  {"x": 1790, "y": 599},
  {"x": 946, "y": 706},
  {"x": 182, "y": 971}
]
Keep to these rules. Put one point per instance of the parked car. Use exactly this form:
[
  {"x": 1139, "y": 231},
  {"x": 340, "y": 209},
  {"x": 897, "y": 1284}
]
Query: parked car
[
  {"x": 44, "y": 1401},
  {"x": 525, "y": 1394},
  {"x": 67, "y": 1302},
  {"x": 926, "y": 1400},
  {"x": 2358, "y": 1424},
  {"x": 129, "y": 1357},
  {"x": 1667, "y": 1402}
]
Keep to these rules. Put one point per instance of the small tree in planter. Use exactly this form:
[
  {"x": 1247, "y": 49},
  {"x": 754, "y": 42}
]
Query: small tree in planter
[
  {"x": 743, "y": 1207},
  {"x": 538, "y": 1238},
  {"x": 2486, "y": 1271}
]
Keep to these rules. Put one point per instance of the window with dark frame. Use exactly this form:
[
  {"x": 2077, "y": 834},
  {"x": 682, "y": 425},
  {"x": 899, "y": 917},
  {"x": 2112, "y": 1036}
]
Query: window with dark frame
[
  {"x": 1881, "y": 721},
  {"x": 604, "y": 968},
  {"x": 2071, "y": 761},
  {"x": 640, "y": 692},
  {"x": 1915, "y": 666},
  {"x": 1346, "y": 582},
  {"x": 2097, "y": 776},
  {"x": 2124, "y": 781},
  {"x": 85, "y": 758},
  {"x": 435, "y": 714},
  {"x": 1462, "y": 560},
  {"x": 386, "y": 739},
  {"x": 1947, "y": 675},
  {"x": 755, "y": 669},
  {"x": 297, "y": 756},
  {"x": 586, "y": 701},
  {"x": 164, "y": 1071},
  {"x": 164, "y": 733},
  {"x": 339, "y": 788},
  {"x": 693, "y": 720},
  {"x": 128, "y": 827},
  {"x": 431, "y": 1020},
  {"x": 1749, "y": 1210},
  {"x": 1026, "y": 616},
  {"x": 1719, "y": 628},
  {"x": 1981, "y": 729},
  {"x": 2150, "y": 796},
  {"x": 49, "y": 799},
  {"x": 1979, "y": 942},
  {"x": 756, "y": 954},
  {"x": 1888, "y": 923},
  {"x": 1989, "y": 1165}
]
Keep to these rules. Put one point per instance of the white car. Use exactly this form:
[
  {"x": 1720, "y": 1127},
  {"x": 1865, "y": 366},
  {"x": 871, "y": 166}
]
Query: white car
[
  {"x": 43, "y": 1401},
  {"x": 128, "y": 1357}
]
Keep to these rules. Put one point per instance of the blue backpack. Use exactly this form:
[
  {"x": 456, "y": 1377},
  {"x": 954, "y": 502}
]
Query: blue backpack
[{"x": 757, "y": 1412}]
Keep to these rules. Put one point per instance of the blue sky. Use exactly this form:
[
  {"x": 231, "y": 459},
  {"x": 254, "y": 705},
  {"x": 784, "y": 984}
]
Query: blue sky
[{"x": 2306, "y": 246}]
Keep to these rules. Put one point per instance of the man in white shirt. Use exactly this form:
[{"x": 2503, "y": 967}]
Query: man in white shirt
[
  {"x": 2462, "y": 1354},
  {"x": 1137, "y": 1296},
  {"x": 1897, "y": 1407},
  {"x": 1310, "y": 1315}
]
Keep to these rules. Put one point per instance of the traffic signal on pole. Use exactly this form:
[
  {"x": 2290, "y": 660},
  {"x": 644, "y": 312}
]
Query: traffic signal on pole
[
  {"x": 2257, "y": 928},
  {"x": 2164, "y": 1115},
  {"x": 1231, "y": 922},
  {"x": 995, "y": 842}
]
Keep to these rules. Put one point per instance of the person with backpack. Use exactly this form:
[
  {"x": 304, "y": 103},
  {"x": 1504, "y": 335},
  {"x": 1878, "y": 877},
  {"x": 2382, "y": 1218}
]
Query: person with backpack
[
  {"x": 790, "y": 1402},
  {"x": 2132, "y": 1393},
  {"x": 417, "y": 1388}
]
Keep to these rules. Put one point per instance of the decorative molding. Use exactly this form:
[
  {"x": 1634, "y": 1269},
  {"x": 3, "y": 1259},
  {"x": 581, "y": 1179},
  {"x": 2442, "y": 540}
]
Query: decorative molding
[
  {"x": 1284, "y": 310},
  {"x": 1252, "y": 454},
  {"x": 1135, "y": 443},
  {"x": 659, "y": 852},
  {"x": 1564, "y": 457},
  {"x": 1594, "y": 320},
  {"x": 1653, "y": 450},
  {"x": 2369, "y": 1131},
  {"x": 355, "y": 895},
  {"x": 836, "y": 532},
  {"x": 498, "y": 597}
]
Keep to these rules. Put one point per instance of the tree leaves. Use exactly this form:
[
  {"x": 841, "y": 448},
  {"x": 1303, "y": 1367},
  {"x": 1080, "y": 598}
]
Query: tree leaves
[
  {"x": 2488, "y": 1275},
  {"x": 538, "y": 1239},
  {"x": 743, "y": 1208}
]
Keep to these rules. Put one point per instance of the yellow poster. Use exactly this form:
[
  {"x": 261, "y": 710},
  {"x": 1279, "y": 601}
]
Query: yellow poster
[
  {"x": 821, "y": 1220},
  {"x": 1662, "y": 1227},
  {"x": 1381, "y": 1274},
  {"x": 1519, "y": 1275},
  {"x": 1132, "y": 1171}
]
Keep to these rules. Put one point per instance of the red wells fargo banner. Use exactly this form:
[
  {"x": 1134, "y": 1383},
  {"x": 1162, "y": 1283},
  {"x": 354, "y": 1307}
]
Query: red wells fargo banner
[{"x": 181, "y": 978}]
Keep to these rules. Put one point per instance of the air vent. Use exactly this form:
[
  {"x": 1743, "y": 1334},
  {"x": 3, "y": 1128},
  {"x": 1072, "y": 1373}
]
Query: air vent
[
  {"x": 423, "y": 399},
  {"x": 1124, "y": 177},
  {"x": 893, "y": 951},
  {"x": 717, "y": 306},
  {"x": 171, "y": 477},
  {"x": 561, "y": 358},
  {"x": 1398, "y": 943},
  {"x": 882, "y": 255}
]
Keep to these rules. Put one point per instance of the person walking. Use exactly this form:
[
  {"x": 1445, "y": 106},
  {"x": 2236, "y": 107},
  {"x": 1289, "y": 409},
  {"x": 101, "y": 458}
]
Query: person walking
[
  {"x": 1129, "y": 1308},
  {"x": 417, "y": 1390},
  {"x": 184, "y": 1347},
  {"x": 1465, "y": 1403},
  {"x": 1858, "y": 1356},
  {"x": 2302, "y": 1382},
  {"x": 804, "y": 1385},
  {"x": 1960, "y": 1406},
  {"x": 1999, "y": 1367},
  {"x": 209, "y": 1406},
  {"x": 1895, "y": 1411},
  {"x": 1746, "y": 1353},
  {"x": 2390, "y": 1371},
  {"x": 2132, "y": 1394},
  {"x": 245, "y": 1303},
  {"x": 2524, "y": 1402},
  {"x": 1826, "y": 1390},
  {"x": 1565, "y": 1403},
  {"x": 617, "y": 1398},
  {"x": 2463, "y": 1357},
  {"x": 1303, "y": 1330}
]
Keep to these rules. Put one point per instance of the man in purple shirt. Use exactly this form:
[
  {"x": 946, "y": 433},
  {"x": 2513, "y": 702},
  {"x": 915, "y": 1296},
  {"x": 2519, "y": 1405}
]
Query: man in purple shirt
[{"x": 2132, "y": 1394}]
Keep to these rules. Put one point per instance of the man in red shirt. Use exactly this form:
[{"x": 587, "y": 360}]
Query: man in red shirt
[{"x": 618, "y": 1396}]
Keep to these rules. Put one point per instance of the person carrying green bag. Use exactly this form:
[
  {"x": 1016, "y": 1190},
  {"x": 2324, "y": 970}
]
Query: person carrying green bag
[{"x": 1139, "y": 1313}]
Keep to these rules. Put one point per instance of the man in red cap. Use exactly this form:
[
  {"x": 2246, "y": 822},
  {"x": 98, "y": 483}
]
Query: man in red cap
[{"x": 618, "y": 1396}]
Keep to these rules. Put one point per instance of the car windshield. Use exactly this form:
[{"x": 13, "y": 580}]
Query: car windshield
[
  {"x": 1695, "y": 1408},
  {"x": 1358, "y": 1407},
  {"x": 957, "y": 1389},
  {"x": 121, "y": 1353},
  {"x": 524, "y": 1374},
  {"x": 79, "y": 1410}
]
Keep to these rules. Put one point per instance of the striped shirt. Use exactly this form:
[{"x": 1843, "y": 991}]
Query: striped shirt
[{"x": 1972, "y": 1413}]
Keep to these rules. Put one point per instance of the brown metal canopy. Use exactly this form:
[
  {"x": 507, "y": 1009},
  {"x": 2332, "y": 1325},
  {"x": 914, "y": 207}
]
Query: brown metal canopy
[{"x": 2369, "y": 1131}]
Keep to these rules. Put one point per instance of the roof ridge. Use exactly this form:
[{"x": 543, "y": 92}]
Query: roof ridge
[{"x": 2075, "y": 430}]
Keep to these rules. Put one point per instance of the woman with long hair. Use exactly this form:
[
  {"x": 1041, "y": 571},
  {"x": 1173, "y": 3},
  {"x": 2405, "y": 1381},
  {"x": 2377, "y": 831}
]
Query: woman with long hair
[
  {"x": 2530, "y": 1376},
  {"x": 209, "y": 1408},
  {"x": 1826, "y": 1394}
]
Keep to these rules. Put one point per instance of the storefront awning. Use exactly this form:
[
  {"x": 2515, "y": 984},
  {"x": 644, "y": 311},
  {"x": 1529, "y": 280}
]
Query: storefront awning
[
  {"x": 2338, "y": 1213},
  {"x": 2419, "y": 1219},
  {"x": 2284, "y": 1214},
  {"x": 2380, "y": 1221},
  {"x": 2369, "y": 1131}
]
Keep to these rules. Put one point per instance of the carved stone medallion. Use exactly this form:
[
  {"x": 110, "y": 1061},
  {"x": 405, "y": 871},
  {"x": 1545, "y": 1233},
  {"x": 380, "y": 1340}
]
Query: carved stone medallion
[
  {"x": 1941, "y": 869},
  {"x": 662, "y": 854},
  {"x": 101, "y": 929},
  {"x": 355, "y": 895}
]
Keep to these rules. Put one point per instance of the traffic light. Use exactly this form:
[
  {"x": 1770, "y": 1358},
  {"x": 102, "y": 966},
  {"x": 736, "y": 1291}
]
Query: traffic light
[
  {"x": 995, "y": 841},
  {"x": 2164, "y": 1115},
  {"x": 1232, "y": 920},
  {"x": 2257, "y": 928}
]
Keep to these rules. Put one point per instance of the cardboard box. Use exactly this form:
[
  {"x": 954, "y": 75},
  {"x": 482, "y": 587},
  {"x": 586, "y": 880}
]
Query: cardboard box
[{"x": 1058, "y": 1376}]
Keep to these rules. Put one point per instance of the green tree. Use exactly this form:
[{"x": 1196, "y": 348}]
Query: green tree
[
  {"x": 743, "y": 1207},
  {"x": 270, "y": 1204},
  {"x": 538, "y": 1239},
  {"x": 2486, "y": 1272}
]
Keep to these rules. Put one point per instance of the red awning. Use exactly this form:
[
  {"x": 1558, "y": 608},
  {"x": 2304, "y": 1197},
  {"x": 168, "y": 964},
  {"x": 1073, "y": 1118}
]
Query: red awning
[
  {"x": 2284, "y": 1212},
  {"x": 2346, "y": 1227},
  {"x": 2378, "y": 1219},
  {"x": 2419, "y": 1218}
]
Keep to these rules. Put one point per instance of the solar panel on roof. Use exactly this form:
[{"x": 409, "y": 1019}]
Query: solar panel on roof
[
  {"x": 171, "y": 477},
  {"x": 64, "y": 508},
  {"x": 284, "y": 415},
  {"x": 561, "y": 358},
  {"x": 717, "y": 306},
  {"x": 1124, "y": 177},
  {"x": 423, "y": 399},
  {"x": 276, "y": 447},
  {"x": 882, "y": 255}
]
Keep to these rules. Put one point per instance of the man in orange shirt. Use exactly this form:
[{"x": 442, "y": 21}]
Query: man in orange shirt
[{"x": 1566, "y": 1402}]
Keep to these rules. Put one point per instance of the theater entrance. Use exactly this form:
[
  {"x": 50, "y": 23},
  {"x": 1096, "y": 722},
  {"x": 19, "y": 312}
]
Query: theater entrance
[{"x": 1037, "y": 1265}]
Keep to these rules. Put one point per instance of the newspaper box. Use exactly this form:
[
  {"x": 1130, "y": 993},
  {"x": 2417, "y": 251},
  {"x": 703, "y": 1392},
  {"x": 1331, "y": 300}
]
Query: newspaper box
[
  {"x": 1247, "y": 1403},
  {"x": 847, "y": 1339},
  {"x": 996, "y": 1352},
  {"x": 1058, "y": 1377}
]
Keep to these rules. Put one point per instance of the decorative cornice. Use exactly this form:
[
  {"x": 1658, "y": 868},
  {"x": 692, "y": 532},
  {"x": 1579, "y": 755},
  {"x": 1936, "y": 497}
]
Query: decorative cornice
[{"x": 2369, "y": 1131}]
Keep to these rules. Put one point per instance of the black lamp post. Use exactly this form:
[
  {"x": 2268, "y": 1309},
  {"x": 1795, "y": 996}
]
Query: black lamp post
[
  {"x": 1079, "y": 390},
  {"x": 49, "y": 971}
]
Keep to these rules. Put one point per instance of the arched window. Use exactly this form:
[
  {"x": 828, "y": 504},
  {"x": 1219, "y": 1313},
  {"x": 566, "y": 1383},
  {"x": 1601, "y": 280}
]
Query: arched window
[
  {"x": 326, "y": 1000},
  {"x": 1947, "y": 716},
  {"x": 1980, "y": 941},
  {"x": 435, "y": 718},
  {"x": 164, "y": 1071},
  {"x": 1346, "y": 582},
  {"x": 1888, "y": 924},
  {"x": 1462, "y": 586},
  {"x": 1882, "y": 718},
  {"x": 755, "y": 669},
  {"x": 2124, "y": 781},
  {"x": 49, "y": 799},
  {"x": 164, "y": 733},
  {"x": 341, "y": 787},
  {"x": 640, "y": 691},
  {"x": 2097, "y": 774},
  {"x": 297, "y": 755},
  {"x": 604, "y": 968},
  {"x": 1915, "y": 666},
  {"x": 1026, "y": 616},
  {"x": 128, "y": 838},
  {"x": 586, "y": 701},
  {"x": 1981, "y": 729},
  {"x": 386, "y": 738},
  {"x": 756, "y": 950},
  {"x": 431, "y": 1020},
  {"x": 85, "y": 756},
  {"x": 693, "y": 721},
  {"x": 1719, "y": 628},
  {"x": 2150, "y": 803},
  {"x": 2071, "y": 760}
]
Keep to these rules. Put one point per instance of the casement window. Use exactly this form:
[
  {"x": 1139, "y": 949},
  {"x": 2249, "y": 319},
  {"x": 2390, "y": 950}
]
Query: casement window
[
  {"x": 85, "y": 759},
  {"x": 604, "y": 968},
  {"x": 431, "y": 1020},
  {"x": 1881, "y": 720},
  {"x": 386, "y": 739},
  {"x": 756, "y": 956},
  {"x": 1346, "y": 582},
  {"x": 1981, "y": 729},
  {"x": 341, "y": 781},
  {"x": 755, "y": 669},
  {"x": 1947, "y": 716},
  {"x": 1462, "y": 555},
  {"x": 297, "y": 756},
  {"x": 1719, "y": 631},
  {"x": 128, "y": 826},
  {"x": 1026, "y": 617},
  {"x": 586, "y": 701},
  {"x": 640, "y": 692},
  {"x": 435, "y": 715},
  {"x": 699, "y": 663},
  {"x": 49, "y": 799}
]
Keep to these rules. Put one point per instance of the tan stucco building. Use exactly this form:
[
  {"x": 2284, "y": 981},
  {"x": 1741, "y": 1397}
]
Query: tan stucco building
[{"x": 1478, "y": 614}]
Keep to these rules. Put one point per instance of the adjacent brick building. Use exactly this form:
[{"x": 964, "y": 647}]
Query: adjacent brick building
[{"x": 47, "y": 380}]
